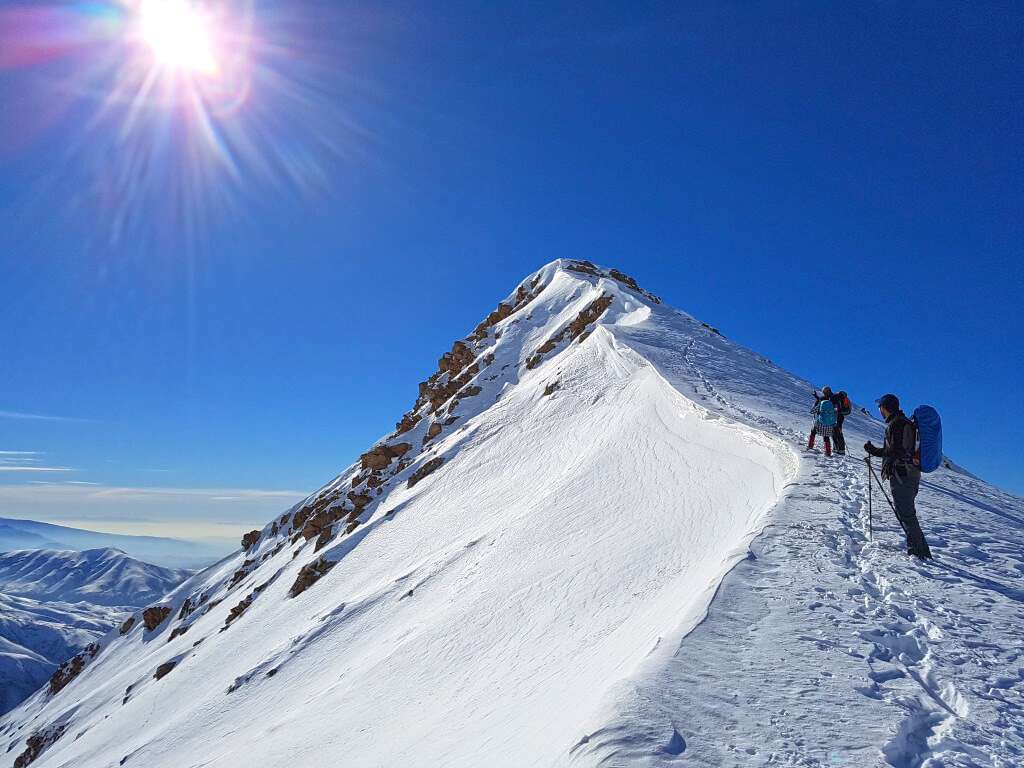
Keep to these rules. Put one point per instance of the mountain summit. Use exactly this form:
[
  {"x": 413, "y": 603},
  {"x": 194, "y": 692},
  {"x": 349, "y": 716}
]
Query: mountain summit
[{"x": 520, "y": 574}]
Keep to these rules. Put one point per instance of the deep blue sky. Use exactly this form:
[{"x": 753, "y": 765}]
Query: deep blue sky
[{"x": 837, "y": 187}]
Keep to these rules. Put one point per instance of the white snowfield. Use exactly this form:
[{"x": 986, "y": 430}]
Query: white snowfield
[{"x": 552, "y": 593}]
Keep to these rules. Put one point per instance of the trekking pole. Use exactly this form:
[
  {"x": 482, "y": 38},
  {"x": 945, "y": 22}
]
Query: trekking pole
[
  {"x": 882, "y": 489},
  {"x": 867, "y": 460}
]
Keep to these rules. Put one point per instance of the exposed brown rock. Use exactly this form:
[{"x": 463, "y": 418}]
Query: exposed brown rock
[
  {"x": 126, "y": 627},
  {"x": 378, "y": 457},
  {"x": 408, "y": 421},
  {"x": 352, "y": 526},
  {"x": 453, "y": 362},
  {"x": 585, "y": 267},
  {"x": 239, "y": 609},
  {"x": 153, "y": 617},
  {"x": 432, "y": 431},
  {"x": 550, "y": 388},
  {"x": 246, "y": 568},
  {"x": 470, "y": 392},
  {"x": 72, "y": 668},
  {"x": 179, "y": 631},
  {"x": 321, "y": 521},
  {"x": 323, "y": 539},
  {"x": 425, "y": 470},
  {"x": 301, "y": 516},
  {"x": 164, "y": 669},
  {"x": 310, "y": 574},
  {"x": 37, "y": 743},
  {"x": 250, "y": 539},
  {"x": 359, "y": 500},
  {"x": 589, "y": 315}
]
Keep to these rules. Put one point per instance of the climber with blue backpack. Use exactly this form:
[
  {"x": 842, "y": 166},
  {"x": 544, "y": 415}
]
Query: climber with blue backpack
[
  {"x": 825, "y": 418},
  {"x": 903, "y": 463}
]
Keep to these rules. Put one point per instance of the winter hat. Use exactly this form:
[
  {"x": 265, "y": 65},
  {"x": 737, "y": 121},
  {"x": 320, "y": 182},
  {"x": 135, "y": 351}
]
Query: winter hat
[
  {"x": 891, "y": 403},
  {"x": 827, "y": 391}
]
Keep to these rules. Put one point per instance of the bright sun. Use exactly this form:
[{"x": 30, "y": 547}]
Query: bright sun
[{"x": 179, "y": 35}]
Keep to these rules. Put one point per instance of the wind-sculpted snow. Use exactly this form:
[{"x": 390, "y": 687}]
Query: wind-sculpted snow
[
  {"x": 520, "y": 575},
  {"x": 827, "y": 647},
  {"x": 97, "y": 576}
]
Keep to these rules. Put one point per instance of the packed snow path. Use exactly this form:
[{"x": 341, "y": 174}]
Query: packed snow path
[
  {"x": 825, "y": 648},
  {"x": 527, "y": 584}
]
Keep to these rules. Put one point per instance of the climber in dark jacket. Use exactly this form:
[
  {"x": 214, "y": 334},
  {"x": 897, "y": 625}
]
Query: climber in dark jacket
[{"x": 901, "y": 470}]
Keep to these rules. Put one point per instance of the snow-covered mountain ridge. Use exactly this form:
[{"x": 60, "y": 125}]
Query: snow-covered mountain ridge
[
  {"x": 518, "y": 574},
  {"x": 97, "y": 576}
]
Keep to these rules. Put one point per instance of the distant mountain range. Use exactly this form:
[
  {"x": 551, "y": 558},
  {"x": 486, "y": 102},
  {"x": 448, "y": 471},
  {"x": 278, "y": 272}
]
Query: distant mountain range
[
  {"x": 54, "y": 603},
  {"x": 36, "y": 637},
  {"x": 166, "y": 552},
  {"x": 98, "y": 576}
]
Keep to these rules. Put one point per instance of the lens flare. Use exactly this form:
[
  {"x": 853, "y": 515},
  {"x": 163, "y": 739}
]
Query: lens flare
[
  {"x": 165, "y": 115},
  {"x": 179, "y": 35}
]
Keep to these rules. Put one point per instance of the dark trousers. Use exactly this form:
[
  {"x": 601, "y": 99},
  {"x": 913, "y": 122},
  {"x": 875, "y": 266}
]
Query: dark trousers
[
  {"x": 837, "y": 435},
  {"x": 904, "y": 491}
]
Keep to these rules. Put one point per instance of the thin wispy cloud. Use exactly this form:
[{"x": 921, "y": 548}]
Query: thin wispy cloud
[
  {"x": 181, "y": 511},
  {"x": 19, "y": 453},
  {"x": 6, "y": 468},
  {"x": 82, "y": 491},
  {"x": 38, "y": 416}
]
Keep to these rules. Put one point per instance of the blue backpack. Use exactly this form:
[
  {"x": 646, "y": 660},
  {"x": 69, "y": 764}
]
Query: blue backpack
[
  {"x": 929, "y": 436},
  {"x": 827, "y": 413}
]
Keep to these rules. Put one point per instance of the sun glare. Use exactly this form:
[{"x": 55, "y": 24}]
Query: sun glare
[{"x": 179, "y": 35}]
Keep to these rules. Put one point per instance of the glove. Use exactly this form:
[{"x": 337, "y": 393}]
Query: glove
[{"x": 869, "y": 447}]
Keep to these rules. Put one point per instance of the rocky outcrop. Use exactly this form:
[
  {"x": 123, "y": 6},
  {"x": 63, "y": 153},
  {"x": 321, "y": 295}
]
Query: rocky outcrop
[
  {"x": 453, "y": 362},
  {"x": 380, "y": 456},
  {"x": 432, "y": 431},
  {"x": 310, "y": 574},
  {"x": 575, "y": 330},
  {"x": 164, "y": 669},
  {"x": 321, "y": 522},
  {"x": 37, "y": 743},
  {"x": 408, "y": 422},
  {"x": 523, "y": 297},
  {"x": 425, "y": 470},
  {"x": 72, "y": 668},
  {"x": 550, "y": 388},
  {"x": 250, "y": 540},
  {"x": 153, "y": 617},
  {"x": 588, "y": 268},
  {"x": 126, "y": 627},
  {"x": 590, "y": 314},
  {"x": 241, "y": 573}
]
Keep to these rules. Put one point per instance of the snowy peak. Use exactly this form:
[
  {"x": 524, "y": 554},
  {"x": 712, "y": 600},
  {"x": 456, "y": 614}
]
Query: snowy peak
[
  {"x": 535, "y": 538},
  {"x": 99, "y": 576},
  {"x": 542, "y": 451}
]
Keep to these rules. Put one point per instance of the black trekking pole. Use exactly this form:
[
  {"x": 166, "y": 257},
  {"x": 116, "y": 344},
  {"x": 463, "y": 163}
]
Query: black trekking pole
[
  {"x": 867, "y": 460},
  {"x": 882, "y": 489}
]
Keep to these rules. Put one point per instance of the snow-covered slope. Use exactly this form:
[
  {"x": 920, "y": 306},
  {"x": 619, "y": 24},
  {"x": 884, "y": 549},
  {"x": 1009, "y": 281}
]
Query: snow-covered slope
[
  {"x": 517, "y": 576},
  {"x": 98, "y": 576},
  {"x": 35, "y": 637}
]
